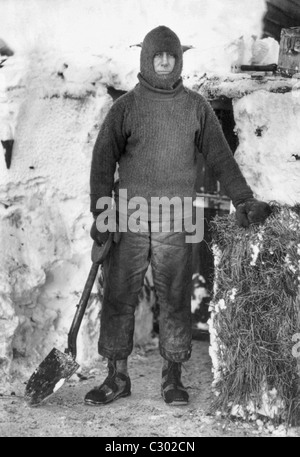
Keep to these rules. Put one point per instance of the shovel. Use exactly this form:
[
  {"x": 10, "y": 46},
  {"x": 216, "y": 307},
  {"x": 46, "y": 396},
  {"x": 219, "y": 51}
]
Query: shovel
[{"x": 58, "y": 367}]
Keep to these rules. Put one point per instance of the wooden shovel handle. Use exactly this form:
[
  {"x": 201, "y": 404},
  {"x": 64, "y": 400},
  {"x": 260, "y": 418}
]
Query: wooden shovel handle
[
  {"x": 81, "y": 307},
  {"x": 98, "y": 256}
]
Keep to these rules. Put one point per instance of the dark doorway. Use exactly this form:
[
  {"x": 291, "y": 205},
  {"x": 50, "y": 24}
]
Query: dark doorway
[{"x": 215, "y": 203}]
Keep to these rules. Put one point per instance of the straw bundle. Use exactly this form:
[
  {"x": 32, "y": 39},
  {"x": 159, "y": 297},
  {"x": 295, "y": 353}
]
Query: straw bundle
[{"x": 255, "y": 316}]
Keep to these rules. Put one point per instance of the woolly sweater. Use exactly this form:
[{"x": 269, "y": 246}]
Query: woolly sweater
[{"x": 155, "y": 136}]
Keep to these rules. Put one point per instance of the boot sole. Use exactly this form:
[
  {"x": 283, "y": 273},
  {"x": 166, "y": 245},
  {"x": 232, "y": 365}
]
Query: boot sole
[
  {"x": 177, "y": 403},
  {"x": 97, "y": 403}
]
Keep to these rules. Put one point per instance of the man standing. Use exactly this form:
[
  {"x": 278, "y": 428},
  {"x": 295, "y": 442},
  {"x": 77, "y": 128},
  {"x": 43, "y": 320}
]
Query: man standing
[{"x": 154, "y": 133}]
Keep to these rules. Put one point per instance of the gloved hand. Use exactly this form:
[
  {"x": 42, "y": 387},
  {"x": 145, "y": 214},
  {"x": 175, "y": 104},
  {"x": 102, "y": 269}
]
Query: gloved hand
[
  {"x": 252, "y": 211},
  {"x": 99, "y": 237}
]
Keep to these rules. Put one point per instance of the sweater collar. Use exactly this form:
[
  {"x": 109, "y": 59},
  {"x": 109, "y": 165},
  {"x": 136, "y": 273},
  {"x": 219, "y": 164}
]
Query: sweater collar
[{"x": 155, "y": 93}]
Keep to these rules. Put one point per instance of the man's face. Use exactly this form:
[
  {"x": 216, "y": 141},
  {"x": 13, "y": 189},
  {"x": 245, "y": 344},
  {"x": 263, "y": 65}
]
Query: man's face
[{"x": 163, "y": 63}]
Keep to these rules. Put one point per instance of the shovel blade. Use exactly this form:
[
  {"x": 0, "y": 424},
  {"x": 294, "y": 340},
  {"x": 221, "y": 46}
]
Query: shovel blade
[{"x": 49, "y": 376}]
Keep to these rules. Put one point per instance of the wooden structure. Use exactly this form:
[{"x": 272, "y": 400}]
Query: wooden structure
[
  {"x": 289, "y": 53},
  {"x": 280, "y": 14}
]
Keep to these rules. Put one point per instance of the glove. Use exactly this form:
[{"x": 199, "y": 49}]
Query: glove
[
  {"x": 99, "y": 237},
  {"x": 252, "y": 211}
]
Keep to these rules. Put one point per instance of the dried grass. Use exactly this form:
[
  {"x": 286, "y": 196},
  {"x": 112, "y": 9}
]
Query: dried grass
[{"x": 255, "y": 329}]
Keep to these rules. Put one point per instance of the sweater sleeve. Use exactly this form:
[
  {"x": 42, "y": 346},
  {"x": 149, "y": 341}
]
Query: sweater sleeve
[
  {"x": 109, "y": 146},
  {"x": 218, "y": 156}
]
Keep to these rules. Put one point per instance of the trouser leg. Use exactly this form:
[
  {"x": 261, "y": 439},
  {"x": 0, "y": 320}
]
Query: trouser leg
[
  {"x": 124, "y": 271},
  {"x": 171, "y": 260}
]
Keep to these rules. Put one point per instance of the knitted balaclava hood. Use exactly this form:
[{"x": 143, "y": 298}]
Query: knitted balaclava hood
[{"x": 161, "y": 39}]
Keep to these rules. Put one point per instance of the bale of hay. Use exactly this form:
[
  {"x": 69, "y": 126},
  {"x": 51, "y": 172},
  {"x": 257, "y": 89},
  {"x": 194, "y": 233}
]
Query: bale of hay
[{"x": 255, "y": 316}]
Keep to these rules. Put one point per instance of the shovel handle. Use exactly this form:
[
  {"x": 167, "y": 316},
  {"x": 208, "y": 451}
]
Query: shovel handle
[
  {"x": 98, "y": 256},
  {"x": 81, "y": 307}
]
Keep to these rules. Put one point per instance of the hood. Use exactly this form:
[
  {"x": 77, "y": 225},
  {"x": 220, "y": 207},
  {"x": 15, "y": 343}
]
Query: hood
[{"x": 161, "y": 39}]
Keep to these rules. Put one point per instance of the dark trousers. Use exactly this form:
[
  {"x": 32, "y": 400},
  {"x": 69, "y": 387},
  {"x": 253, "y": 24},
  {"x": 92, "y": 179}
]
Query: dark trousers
[{"x": 124, "y": 270}]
